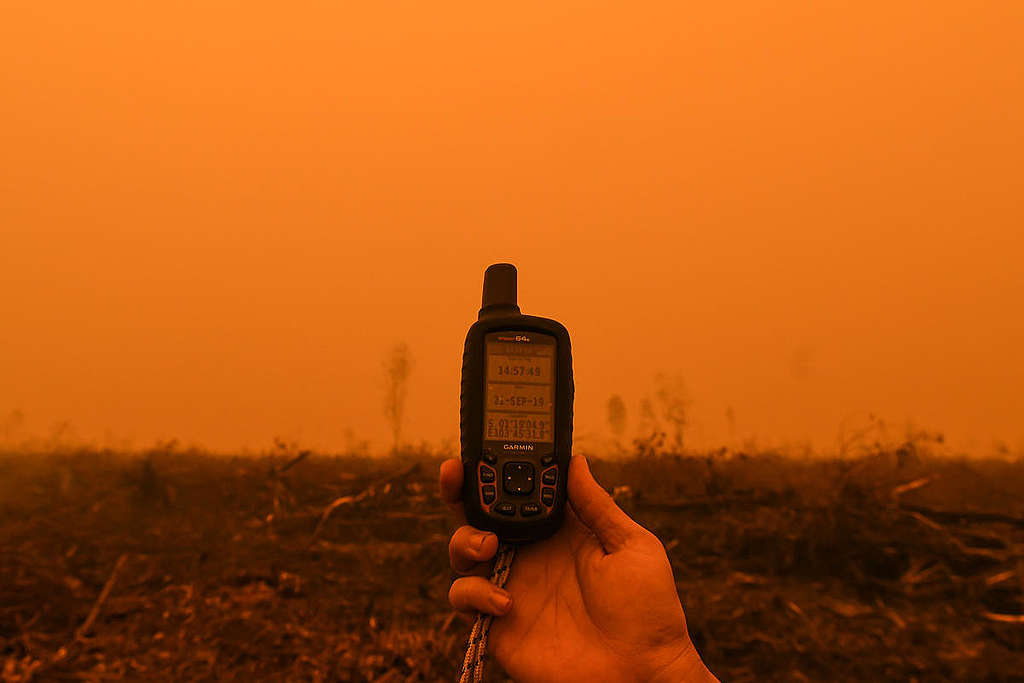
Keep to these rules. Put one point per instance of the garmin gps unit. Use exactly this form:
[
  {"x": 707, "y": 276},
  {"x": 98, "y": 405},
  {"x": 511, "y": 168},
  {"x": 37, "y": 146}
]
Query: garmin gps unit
[{"x": 516, "y": 416}]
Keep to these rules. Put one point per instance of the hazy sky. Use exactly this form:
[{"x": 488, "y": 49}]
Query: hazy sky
[{"x": 215, "y": 219}]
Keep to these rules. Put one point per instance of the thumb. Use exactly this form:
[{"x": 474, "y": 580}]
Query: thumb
[{"x": 596, "y": 509}]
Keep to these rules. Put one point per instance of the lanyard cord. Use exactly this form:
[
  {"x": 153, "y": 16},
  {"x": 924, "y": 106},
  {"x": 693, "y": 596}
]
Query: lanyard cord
[{"x": 476, "y": 651}]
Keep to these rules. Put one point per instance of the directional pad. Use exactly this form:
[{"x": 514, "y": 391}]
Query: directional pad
[{"x": 518, "y": 478}]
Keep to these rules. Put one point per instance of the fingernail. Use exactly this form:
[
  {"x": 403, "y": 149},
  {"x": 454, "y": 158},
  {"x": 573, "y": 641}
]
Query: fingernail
[
  {"x": 501, "y": 600},
  {"x": 479, "y": 538}
]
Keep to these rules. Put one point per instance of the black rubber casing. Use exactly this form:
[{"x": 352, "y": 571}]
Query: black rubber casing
[{"x": 472, "y": 419}]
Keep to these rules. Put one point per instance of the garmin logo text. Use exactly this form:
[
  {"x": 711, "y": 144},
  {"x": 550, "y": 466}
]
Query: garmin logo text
[{"x": 518, "y": 447}]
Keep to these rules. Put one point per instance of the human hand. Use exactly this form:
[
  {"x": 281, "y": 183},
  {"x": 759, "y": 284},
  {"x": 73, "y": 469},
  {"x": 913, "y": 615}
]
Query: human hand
[{"x": 596, "y": 601}]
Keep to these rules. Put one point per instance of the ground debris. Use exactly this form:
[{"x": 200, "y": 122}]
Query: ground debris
[{"x": 305, "y": 567}]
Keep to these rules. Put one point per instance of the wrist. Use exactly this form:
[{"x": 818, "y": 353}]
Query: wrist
[{"x": 682, "y": 665}]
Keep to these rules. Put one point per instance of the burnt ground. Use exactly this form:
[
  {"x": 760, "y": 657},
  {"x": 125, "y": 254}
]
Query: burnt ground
[{"x": 180, "y": 566}]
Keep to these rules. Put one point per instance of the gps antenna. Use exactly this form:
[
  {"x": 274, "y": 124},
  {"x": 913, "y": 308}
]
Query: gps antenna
[{"x": 499, "y": 291}]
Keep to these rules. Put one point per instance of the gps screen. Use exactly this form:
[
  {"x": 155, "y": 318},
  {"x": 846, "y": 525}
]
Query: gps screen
[{"x": 520, "y": 387}]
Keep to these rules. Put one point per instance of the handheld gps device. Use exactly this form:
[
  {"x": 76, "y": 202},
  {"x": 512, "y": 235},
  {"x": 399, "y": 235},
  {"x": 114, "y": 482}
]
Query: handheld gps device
[{"x": 516, "y": 416}]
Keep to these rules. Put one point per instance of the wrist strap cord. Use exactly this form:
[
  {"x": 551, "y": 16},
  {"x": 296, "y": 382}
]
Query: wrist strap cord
[{"x": 476, "y": 651}]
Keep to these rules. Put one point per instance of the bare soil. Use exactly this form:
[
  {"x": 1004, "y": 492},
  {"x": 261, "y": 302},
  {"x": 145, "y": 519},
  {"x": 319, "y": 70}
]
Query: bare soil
[{"x": 181, "y": 566}]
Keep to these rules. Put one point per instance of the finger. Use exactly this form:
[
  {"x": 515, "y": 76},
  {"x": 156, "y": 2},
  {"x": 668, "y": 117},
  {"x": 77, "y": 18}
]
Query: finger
[
  {"x": 596, "y": 509},
  {"x": 469, "y": 547},
  {"x": 451, "y": 488},
  {"x": 477, "y": 594}
]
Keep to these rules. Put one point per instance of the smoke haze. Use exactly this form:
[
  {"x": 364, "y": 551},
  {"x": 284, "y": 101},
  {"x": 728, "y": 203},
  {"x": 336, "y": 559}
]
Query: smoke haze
[{"x": 215, "y": 222}]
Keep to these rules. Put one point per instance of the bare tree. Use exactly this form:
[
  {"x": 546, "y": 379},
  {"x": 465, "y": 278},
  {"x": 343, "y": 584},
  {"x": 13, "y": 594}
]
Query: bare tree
[
  {"x": 650, "y": 438},
  {"x": 673, "y": 405},
  {"x": 617, "y": 417},
  {"x": 397, "y": 368},
  {"x": 730, "y": 421},
  {"x": 13, "y": 426}
]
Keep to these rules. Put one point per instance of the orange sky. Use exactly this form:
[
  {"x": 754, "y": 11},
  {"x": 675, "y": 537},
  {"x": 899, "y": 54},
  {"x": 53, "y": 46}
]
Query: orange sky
[{"x": 214, "y": 221}]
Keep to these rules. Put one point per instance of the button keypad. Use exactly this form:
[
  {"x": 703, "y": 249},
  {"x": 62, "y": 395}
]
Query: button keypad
[
  {"x": 547, "y": 496},
  {"x": 529, "y": 509},
  {"x": 507, "y": 509},
  {"x": 488, "y": 493},
  {"x": 517, "y": 478}
]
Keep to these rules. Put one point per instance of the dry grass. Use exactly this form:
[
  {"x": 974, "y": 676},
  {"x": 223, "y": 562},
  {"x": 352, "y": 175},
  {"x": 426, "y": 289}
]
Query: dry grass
[{"x": 179, "y": 566}]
